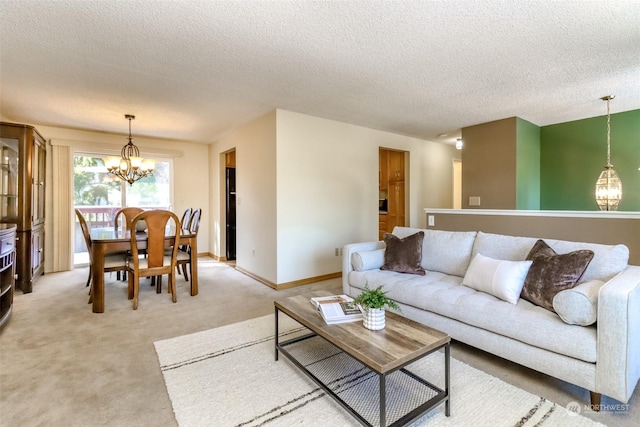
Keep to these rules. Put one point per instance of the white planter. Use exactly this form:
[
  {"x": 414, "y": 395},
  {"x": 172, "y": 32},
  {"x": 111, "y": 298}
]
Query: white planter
[{"x": 373, "y": 318}]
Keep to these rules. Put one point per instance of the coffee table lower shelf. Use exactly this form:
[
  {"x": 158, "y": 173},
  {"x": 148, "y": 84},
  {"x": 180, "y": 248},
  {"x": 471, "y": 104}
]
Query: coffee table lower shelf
[{"x": 392, "y": 399}]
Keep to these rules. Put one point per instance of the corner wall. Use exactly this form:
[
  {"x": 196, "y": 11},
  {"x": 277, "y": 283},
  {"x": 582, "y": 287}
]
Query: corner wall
[
  {"x": 527, "y": 165},
  {"x": 489, "y": 164},
  {"x": 318, "y": 184},
  {"x": 256, "y": 197}
]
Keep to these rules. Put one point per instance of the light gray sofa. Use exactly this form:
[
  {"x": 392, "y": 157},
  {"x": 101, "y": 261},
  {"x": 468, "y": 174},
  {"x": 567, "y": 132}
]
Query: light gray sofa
[{"x": 603, "y": 357}]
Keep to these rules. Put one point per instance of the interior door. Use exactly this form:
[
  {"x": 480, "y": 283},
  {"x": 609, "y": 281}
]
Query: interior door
[{"x": 230, "y": 175}]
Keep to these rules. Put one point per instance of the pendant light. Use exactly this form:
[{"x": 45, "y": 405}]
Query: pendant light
[
  {"x": 608, "y": 186},
  {"x": 129, "y": 167}
]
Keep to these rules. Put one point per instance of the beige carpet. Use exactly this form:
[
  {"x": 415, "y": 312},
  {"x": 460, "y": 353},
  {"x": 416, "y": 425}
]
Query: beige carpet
[
  {"x": 227, "y": 376},
  {"x": 62, "y": 365}
]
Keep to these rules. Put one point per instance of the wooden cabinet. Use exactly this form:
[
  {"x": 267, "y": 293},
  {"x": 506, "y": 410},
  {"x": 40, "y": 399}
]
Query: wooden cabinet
[
  {"x": 383, "y": 170},
  {"x": 7, "y": 270},
  {"x": 396, "y": 166},
  {"x": 382, "y": 225},
  {"x": 395, "y": 212},
  {"x": 392, "y": 186},
  {"x": 22, "y": 192}
]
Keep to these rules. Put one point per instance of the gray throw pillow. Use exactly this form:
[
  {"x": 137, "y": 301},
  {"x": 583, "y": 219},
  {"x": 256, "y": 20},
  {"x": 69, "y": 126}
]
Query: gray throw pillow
[
  {"x": 551, "y": 273},
  {"x": 403, "y": 255}
]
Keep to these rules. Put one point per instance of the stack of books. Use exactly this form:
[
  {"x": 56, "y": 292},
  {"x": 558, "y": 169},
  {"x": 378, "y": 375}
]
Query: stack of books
[{"x": 337, "y": 309}]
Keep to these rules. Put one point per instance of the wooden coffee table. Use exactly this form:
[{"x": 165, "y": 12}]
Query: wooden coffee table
[{"x": 365, "y": 371}]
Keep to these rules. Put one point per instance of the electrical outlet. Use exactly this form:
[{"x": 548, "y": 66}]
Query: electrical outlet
[
  {"x": 253, "y": 252},
  {"x": 431, "y": 222},
  {"x": 337, "y": 252},
  {"x": 474, "y": 201}
]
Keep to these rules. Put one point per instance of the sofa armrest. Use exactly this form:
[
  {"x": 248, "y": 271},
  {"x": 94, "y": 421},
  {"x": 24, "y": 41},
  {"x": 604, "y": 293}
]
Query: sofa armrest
[
  {"x": 618, "y": 352},
  {"x": 350, "y": 249}
]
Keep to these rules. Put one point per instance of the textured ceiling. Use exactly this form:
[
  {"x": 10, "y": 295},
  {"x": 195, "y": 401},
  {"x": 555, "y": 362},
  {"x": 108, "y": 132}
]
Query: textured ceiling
[{"x": 195, "y": 70}]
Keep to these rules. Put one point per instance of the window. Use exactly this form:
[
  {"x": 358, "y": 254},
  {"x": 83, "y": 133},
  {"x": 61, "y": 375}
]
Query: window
[{"x": 99, "y": 195}]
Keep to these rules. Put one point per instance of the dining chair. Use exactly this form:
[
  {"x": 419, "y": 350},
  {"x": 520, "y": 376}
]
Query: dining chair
[
  {"x": 125, "y": 215},
  {"x": 184, "y": 225},
  {"x": 186, "y": 217},
  {"x": 156, "y": 263},
  {"x": 185, "y": 256},
  {"x": 112, "y": 262}
]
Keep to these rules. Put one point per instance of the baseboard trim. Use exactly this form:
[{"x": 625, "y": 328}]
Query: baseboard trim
[
  {"x": 288, "y": 285},
  {"x": 216, "y": 257}
]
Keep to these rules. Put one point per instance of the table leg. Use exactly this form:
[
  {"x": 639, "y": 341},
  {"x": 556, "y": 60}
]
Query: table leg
[
  {"x": 194, "y": 266},
  {"x": 276, "y": 337},
  {"x": 97, "y": 282},
  {"x": 383, "y": 401},
  {"x": 447, "y": 379}
]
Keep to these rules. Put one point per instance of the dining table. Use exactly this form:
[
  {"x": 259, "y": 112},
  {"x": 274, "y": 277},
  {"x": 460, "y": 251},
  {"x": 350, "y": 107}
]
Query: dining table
[{"x": 108, "y": 240}]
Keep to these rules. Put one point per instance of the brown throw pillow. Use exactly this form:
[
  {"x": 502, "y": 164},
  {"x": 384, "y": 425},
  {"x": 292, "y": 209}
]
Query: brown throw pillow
[
  {"x": 551, "y": 273},
  {"x": 403, "y": 255}
]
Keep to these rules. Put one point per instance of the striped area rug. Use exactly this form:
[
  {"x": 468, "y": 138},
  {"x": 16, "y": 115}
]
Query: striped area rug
[{"x": 228, "y": 376}]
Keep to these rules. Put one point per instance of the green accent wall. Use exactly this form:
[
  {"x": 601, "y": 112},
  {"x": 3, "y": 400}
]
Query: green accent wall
[
  {"x": 527, "y": 165},
  {"x": 573, "y": 154}
]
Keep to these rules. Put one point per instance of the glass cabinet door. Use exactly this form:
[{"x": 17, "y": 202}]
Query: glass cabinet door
[{"x": 8, "y": 179}]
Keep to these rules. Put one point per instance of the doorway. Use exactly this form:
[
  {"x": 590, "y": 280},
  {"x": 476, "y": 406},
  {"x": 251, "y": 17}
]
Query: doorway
[
  {"x": 392, "y": 186},
  {"x": 230, "y": 204}
]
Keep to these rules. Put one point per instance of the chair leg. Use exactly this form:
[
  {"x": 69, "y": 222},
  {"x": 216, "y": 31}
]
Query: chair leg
[
  {"x": 184, "y": 272},
  {"x": 172, "y": 285},
  {"x": 130, "y": 286},
  {"x": 90, "y": 273},
  {"x": 136, "y": 288},
  {"x": 159, "y": 284}
]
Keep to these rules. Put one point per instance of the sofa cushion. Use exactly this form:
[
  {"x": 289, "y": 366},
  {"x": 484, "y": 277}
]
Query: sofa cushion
[
  {"x": 551, "y": 273},
  {"x": 579, "y": 305},
  {"x": 403, "y": 255},
  {"x": 444, "y": 295},
  {"x": 502, "y": 279},
  {"x": 367, "y": 260},
  {"x": 608, "y": 260},
  {"x": 444, "y": 251}
]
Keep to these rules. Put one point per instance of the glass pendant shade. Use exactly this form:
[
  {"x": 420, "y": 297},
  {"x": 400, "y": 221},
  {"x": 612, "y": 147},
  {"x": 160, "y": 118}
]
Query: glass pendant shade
[
  {"x": 608, "y": 185},
  {"x": 608, "y": 189}
]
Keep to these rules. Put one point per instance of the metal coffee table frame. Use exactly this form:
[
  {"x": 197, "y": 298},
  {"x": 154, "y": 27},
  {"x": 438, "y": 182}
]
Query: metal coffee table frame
[{"x": 435, "y": 395}]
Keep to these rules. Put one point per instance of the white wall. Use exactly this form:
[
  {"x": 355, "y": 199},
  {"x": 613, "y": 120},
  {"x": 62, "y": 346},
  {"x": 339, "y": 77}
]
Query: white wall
[
  {"x": 255, "y": 145},
  {"x": 308, "y": 185},
  {"x": 191, "y": 171},
  {"x": 327, "y": 174}
]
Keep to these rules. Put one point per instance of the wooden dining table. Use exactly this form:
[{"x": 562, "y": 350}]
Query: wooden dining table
[{"x": 107, "y": 240}]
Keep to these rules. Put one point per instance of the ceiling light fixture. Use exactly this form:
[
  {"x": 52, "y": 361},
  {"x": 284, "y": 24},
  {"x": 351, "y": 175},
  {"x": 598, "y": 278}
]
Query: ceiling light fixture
[
  {"x": 459, "y": 144},
  {"x": 129, "y": 167},
  {"x": 608, "y": 186}
]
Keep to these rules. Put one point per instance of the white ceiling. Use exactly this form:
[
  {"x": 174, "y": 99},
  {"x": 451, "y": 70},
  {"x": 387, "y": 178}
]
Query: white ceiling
[{"x": 195, "y": 70}]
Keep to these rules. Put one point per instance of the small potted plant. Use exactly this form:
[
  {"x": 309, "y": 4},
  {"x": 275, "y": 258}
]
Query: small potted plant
[{"x": 373, "y": 303}]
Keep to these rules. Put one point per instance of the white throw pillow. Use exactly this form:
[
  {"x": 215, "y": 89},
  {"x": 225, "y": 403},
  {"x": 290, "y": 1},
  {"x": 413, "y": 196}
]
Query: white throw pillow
[
  {"x": 502, "y": 279},
  {"x": 579, "y": 305},
  {"x": 367, "y": 260}
]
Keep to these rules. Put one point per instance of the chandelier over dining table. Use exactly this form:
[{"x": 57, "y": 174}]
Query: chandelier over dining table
[{"x": 129, "y": 167}]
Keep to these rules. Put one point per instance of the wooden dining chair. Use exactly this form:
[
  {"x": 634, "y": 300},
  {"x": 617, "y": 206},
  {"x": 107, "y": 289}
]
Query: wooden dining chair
[
  {"x": 156, "y": 262},
  {"x": 125, "y": 215},
  {"x": 112, "y": 262},
  {"x": 185, "y": 255},
  {"x": 186, "y": 218}
]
